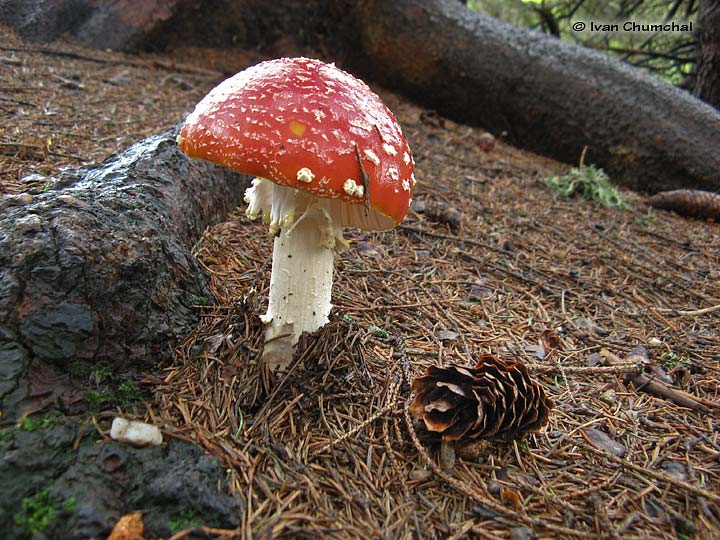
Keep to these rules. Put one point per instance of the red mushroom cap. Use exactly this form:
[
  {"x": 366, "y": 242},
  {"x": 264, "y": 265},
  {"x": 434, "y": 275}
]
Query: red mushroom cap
[{"x": 279, "y": 117}]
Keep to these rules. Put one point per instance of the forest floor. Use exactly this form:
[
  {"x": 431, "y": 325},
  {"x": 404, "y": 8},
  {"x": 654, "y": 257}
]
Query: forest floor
[{"x": 569, "y": 288}]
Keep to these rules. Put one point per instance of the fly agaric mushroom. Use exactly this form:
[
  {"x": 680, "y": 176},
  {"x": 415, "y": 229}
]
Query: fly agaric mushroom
[{"x": 327, "y": 154}]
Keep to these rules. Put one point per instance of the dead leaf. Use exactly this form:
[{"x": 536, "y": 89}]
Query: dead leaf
[
  {"x": 603, "y": 441},
  {"x": 511, "y": 498},
  {"x": 128, "y": 527},
  {"x": 446, "y": 335},
  {"x": 366, "y": 249},
  {"x": 551, "y": 340}
]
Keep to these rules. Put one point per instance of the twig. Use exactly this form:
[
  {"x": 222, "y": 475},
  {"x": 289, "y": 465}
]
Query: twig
[
  {"x": 649, "y": 472},
  {"x": 624, "y": 367},
  {"x": 679, "y": 397},
  {"x": 653, "y": 386},
  {"x": 690, "y": 312},
  {"x": 206, "y": 531}
]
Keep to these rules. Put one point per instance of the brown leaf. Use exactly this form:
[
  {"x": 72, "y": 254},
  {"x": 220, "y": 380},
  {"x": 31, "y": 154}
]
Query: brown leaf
[
  {"x": 128, "y": 527},
  {"x": 511, "y": 498},
  {"x": 551, "y": 340}
]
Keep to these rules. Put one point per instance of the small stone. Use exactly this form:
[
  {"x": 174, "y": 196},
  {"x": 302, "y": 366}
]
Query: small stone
[
  {"x": 478, "y": 293},
  {"x": 494, "y": 488},
  {"x": 609, "y": 396},
  {"x": 420, "y": 475},
  {"x": 676, "y": 470},
  {"x": 447, "y": 335},
  {"x": 522, "y": 533},
  {"x": 135, "y": 433},
  {"x": 418, "y": 206}
]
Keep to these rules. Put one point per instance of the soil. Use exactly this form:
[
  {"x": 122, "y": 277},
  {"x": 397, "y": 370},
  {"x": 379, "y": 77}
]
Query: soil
[{"x": 567, "y": 287}]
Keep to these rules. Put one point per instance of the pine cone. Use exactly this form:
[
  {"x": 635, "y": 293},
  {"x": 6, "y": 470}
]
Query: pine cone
[
  {"x": 495, "y": 398},
  {"x": 688, "y": 202}
]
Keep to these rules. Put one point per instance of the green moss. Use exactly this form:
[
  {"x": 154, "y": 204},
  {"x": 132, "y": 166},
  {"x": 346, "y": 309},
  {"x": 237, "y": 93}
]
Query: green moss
[
  {"x": 7, "y": 436},
  {"x": 125, "y": 394},
  {"x": 90, "y": 372},
  {"x": 129, "y": 393},
  {"x": 185, "y": 520},
  {"x": 41, "y": 511},
  {"x": 589, "y": 183},
  {"x": 97, "y": 398},
  {"x": 43, "y": 423}
]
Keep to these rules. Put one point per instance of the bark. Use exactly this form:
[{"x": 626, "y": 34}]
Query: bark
[
  {"x": 114, "y": 24},
  {"x": 707, "y": 78},
  {"x": 549, "y": 96},
  {"x": 98, "y": 267}
]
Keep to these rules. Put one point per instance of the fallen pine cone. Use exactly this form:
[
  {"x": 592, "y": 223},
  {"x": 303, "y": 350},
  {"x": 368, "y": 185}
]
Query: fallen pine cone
[
  {"x": 457, "y": 404},
  {"x": 688, "y": 202}
]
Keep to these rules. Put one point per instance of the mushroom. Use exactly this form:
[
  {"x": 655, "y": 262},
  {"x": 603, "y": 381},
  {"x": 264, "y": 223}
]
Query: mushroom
[{"x": 327, "y": 154}]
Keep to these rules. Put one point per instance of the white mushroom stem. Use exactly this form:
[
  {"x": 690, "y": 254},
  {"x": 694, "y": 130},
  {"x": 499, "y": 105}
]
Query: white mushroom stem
[{"x": 302, "y": 265}]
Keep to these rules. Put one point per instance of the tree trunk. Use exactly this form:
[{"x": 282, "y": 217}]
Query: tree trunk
[
  {"x": 549, "y": 96},
  {"x": 707, "y": 78},
  {"x": 98, "y": 267}
]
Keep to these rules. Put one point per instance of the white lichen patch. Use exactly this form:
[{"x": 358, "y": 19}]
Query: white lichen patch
[
  {"x": 390, "y": 149},
  {"x": 352, "y": 188},
  {"x": 305, "y": 175},
  {"x": 372, "y": 156}
]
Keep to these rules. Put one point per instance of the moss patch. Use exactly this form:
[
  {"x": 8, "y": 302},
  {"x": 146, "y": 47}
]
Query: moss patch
[{"x": 41, "y": 511}]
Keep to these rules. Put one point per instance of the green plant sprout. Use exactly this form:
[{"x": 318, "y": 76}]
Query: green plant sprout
[
  {"x": 589, "y": 183},
  {"x": 671, "y": 360}
]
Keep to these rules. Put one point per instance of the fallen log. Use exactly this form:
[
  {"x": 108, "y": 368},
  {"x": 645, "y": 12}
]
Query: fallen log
[
  {"x": 549, "y": 96},
  {"x": 98, "y": 266}
]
